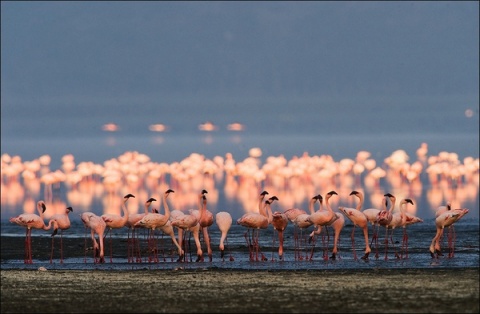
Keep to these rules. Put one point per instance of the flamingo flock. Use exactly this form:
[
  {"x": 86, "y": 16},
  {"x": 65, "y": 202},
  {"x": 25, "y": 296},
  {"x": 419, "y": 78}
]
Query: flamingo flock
[
  {"x": 254, "y": 222},
  {"x": 451, "y": 182}
]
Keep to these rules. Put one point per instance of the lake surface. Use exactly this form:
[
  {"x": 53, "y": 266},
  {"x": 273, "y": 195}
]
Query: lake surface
[{"x": 301, "y": 156}]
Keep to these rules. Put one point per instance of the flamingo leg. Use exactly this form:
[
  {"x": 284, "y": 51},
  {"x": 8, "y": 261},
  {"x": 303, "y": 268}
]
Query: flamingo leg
[
  {"x": 273, "y": 243},
  {"x": 352, "y": 236},
  {"x": 52, "y": 245},
  {"x": 312, "y": 239},
  {"x": 85, "y": 246},
  {"x": 386, "y": 243},
  {"x": 61, "y": 246},
  {"x": 367, "y": 247},
  {"x": 111, "y": 245},
  {"x": 249, "y": 243},
  {"x": 325, "y": 245},
  {"x": 405, "y": 243}
]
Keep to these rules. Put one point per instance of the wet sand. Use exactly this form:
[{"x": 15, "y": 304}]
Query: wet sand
[{"x": 227, "y": 291}]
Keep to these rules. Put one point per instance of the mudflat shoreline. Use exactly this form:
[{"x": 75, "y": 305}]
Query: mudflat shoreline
[{"x": 241, "y": 291}]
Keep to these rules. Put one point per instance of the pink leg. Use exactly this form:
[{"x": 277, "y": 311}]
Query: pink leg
[{"x": 52, "y": 245}]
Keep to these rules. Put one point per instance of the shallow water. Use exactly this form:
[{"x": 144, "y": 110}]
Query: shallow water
[{"x": 466, "y": 251}]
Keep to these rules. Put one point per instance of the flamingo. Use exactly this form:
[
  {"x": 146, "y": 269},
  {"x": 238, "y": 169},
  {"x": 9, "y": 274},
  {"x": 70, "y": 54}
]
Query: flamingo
[
  {"x": 153, "y": 221},
  {"x": 62, "y": 222},
  {"x": 384, "y": 218},
  {"x": 247, "y": 218},
  {"x": 206, "y": 220},
  {"x": 187, "y": 223},
  {"x": 134, "y": 244},
  {"x": 406, "y": 220},
  {"x": 279, "y": 222},
  {"x": 301, "y": 221},
  {"x": 398, "y": 220},
  {"x": 224, "y": 222},
  {"x": 97, "y": 226},
  {"x": 167, "y": 228},
  {"x": 371, "y": 214},
  {"x": 446, "y": 219},
  {"x": 442, "y": 209},
  {"x": 256, "y": 221},
  {"x": 358, "y": 218},
  {"x": 298, "y": 217},
  {"x": 31, "y": 221},
  {"x": 116, "y": 222},
  {"x": 322, "y": 218},
  {"x": 337, "y": 224}
]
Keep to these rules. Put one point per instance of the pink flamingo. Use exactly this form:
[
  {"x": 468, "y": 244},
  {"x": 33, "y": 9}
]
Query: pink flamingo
[
  {"x": 385, "y": 217},
  {"x": 116, "y": 222},
  {"x": 398, "y": 220},
  {"x": 134, "y": 243},
  {"x": 153, "y": 221},
  {"x": 31, "y": 221},
  {"x": 279, "y": 222},
  {"x": 337, "y": 225},
  {"x": 371, "y": 214},
  {"x": 224, "y": 222},
  {"x": 358, "y": 218},
  {"x": 190, "y": 223},
  {"x": 62, "y": 222},
  {"x": 408, "y": 219},
  {"x": 253, "y": 219},
  {"x": 206, "y": 220},
  {"x": 301, "y": 221},
  {"x": 322, "y": 218},
  {"x": 447, "y": 219},
  {"x": 256, "y": 221},
  {"x": 97, "y": 226},
  {"x": 443, "y": 209},
  {"x": 187, "y": 223}
]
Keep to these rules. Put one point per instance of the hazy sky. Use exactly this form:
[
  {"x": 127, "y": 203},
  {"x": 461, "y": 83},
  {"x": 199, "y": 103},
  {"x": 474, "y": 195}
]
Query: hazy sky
[{"x": 72, "y": 58}]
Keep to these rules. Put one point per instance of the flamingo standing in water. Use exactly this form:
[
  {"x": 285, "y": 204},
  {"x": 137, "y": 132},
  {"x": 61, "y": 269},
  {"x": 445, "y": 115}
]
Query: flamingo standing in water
[
  {"x": 384, "y": 218},
  {"x": 371, "y": 214},
  {"x": 62, "y": 222},
  {"x": 190, "y": 223},
  {"x": 447, "y": 219},
  {"x": 337, "y": 224},
  {"x": 279, "y": 222},
  {"x": 206, "y": 220},
  {"x": 224, "y": 222},
  {"x": 398, "y": 220},
  {"x": 256, "y": 221},
  {"x": 441, "y": 210},
  {"x": 97, "y": 226},
  {"x": 253, "y": 219},
  {"x": 153, "y": 221},
  {"x": 31, "y": 221},
  {"x": 322, "y": 218},
  {"x": 404, "y": 223},
  {"x": 358, "y": 218},
  {"x": 298, "y": 217},
  {"x": 167, "y": 228},
  {"x": 300, "y": 221},
  {"x": 133, "y": 243},
  {"x": 187, "y": 223},
  {"x": 116, "y": 222}
]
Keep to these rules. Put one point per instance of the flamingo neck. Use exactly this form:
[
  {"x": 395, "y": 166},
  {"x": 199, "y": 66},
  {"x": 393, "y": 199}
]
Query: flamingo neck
[
  {"x": 167, "y": 209},
  {"x": 360, "y": 202}
]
